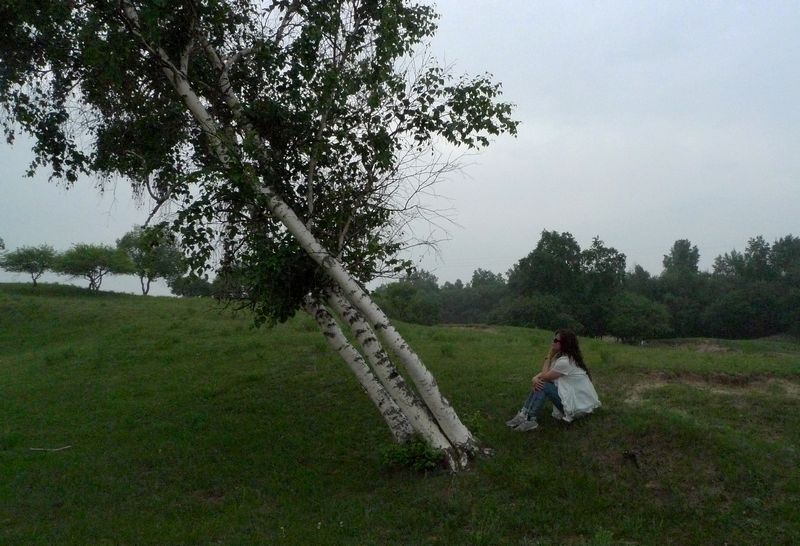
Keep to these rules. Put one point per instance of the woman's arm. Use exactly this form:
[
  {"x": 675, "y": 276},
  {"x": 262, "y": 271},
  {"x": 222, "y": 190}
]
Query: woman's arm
[{"x": 541, "y": 378}]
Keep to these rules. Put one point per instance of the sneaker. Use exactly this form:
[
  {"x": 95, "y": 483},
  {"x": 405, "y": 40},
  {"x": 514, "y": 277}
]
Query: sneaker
[
  {"x": 517, "y": 419},
  {"x": 525, "y": 426}
]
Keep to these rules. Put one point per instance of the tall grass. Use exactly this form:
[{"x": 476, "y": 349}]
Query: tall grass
[{"x": 182, "y": 424}]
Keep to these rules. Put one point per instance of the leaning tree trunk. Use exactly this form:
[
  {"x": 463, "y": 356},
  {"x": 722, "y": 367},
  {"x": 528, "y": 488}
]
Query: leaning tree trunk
[
  {"x": 445, "y": 415},
  {"x": 408, "y": 401},
  {"x": 394, "y": 416}
]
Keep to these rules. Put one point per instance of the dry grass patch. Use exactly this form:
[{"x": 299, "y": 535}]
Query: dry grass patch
[{"x": 716, "y": 383}]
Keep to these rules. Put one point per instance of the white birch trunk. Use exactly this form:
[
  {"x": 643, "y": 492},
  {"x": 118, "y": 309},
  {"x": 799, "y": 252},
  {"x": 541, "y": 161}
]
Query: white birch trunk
[
  {"x": 445, "y": 415},
  {"x": 387, "y": 373},
  {"x": 396, "y": 420}
]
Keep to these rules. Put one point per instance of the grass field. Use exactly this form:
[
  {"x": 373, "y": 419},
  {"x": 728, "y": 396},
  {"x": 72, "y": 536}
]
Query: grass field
[{"x": 182, "y": 424}]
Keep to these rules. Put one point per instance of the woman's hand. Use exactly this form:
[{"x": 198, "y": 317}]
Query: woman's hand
[{"x": 539, "y": 380}]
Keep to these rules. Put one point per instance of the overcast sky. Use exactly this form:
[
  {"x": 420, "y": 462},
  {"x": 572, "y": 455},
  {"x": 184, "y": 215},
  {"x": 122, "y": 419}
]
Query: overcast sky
[{"x": 641, "y": 123}]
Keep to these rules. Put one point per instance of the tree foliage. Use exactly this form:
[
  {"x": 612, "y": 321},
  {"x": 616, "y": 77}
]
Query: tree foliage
[
  {"x": 602, "y": 278},
  {"x": 584, "y": 283},
  {"x": 784, "y": 259},
  {"x": 33, "y": 260}
]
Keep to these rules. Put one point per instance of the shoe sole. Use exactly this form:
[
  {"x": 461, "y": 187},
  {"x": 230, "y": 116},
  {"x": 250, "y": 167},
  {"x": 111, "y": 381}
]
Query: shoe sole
[{"x": 526, "y": 429}]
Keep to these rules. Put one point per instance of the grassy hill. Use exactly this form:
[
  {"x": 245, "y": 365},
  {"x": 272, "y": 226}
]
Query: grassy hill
[{"x": 181, "y": 424}]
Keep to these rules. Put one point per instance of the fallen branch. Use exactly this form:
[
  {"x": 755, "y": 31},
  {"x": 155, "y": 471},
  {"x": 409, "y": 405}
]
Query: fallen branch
[{"x": 49, "y": 449}]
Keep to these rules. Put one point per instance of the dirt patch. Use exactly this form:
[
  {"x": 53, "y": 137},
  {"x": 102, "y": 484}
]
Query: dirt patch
[
  {"x": 708, "y": 347},
  {"x": 716, "y": 383}
]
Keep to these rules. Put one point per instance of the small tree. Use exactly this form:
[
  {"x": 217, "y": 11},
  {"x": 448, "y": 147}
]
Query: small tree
[
  {"x": 758, "y": 265},
  {"x": 33, "y": 260},
  {"x": 154, "y": 254},
  {"x": 93, "y": 262},
  {"x": 639, "y": 281}
]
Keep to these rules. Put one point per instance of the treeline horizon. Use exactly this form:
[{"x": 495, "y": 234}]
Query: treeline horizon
[{"x": 748, "y": 294}]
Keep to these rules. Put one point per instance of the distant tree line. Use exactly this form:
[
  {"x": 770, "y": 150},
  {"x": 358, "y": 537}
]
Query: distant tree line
[
  {"x": 748, "y": 294},
  {"x": 150, "y": 253}
]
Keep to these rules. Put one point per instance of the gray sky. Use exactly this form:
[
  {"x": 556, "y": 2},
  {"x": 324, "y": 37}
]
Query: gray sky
[{"x": 642, "y": 122}]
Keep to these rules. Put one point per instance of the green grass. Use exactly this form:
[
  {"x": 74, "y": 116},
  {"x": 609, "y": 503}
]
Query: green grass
[{"x": 188, "y": 426}]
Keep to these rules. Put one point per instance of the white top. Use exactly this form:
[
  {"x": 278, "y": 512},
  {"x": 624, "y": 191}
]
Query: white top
[{"x": 575, "y": 390}]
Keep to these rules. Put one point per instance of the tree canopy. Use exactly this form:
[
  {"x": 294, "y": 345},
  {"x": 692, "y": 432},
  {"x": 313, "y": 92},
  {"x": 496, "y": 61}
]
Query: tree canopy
[{"x": 29, "y": 259}]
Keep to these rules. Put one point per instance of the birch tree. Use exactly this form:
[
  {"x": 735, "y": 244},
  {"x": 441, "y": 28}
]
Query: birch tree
[{"x": 292, "y": 135}]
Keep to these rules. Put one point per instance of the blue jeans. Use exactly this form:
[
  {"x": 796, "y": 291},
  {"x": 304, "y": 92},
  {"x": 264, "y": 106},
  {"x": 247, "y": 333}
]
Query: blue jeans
[{"x": 536, "y": 399}]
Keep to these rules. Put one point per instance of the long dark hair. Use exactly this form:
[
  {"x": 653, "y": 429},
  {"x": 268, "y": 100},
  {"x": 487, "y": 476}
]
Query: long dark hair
[{"x": 569, "y": 347}]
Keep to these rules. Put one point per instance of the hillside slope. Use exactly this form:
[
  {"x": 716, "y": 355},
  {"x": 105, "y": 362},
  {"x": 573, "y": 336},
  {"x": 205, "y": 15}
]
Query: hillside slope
[{"x": 141, "y": 420}]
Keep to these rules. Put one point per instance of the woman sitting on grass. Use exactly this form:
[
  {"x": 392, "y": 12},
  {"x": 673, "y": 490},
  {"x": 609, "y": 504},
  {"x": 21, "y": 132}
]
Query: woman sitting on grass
[{"x": 565, "y": 380}]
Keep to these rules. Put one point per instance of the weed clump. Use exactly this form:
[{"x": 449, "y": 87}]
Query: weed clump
[{"x": 414, "y": 455}]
